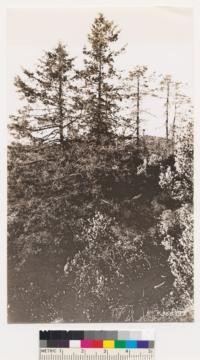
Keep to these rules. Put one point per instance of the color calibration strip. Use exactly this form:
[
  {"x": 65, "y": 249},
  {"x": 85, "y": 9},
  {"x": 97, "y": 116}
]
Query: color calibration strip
[
  {"x": 96, "y": 340},
  {"x": 100, "y": 344}
]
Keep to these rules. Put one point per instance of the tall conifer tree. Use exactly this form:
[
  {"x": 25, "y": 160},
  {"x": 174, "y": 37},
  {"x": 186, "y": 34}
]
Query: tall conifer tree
[
  {"x": 139, "y": 86},
  {"x": 49, "y": 95},
  {"x": 166, "y": 85},
  {"x": 182, "y": 108},
  {"x": 101, "y": 79}
]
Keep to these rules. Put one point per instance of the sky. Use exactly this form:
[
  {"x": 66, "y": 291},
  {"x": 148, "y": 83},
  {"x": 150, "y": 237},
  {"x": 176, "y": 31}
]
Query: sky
[{"x": 159, "y": 37}]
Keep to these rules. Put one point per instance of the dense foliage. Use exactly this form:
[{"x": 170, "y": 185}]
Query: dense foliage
[{"x": 177, "y": 226}]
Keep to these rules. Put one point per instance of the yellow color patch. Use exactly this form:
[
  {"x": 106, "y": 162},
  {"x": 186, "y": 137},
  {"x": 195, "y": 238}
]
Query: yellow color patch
[{"x": 108, "y": 344}]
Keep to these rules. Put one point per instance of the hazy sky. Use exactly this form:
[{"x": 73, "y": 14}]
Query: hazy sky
[{"x": 160, "y": 37}]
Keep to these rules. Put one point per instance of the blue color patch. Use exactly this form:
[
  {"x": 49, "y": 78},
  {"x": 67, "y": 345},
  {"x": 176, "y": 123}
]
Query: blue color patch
[{"x": 131, "y": 344}]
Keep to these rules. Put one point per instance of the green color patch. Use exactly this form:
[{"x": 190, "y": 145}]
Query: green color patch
[{"x": 120, "y": 344}]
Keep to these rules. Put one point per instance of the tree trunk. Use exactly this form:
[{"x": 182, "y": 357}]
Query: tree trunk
[
  {"x": 167, "y": 113},
  {"x": 99, "y": 117},
  {"x": 173, "y": 127},
  {"x": 138, "y": 113},
  {"x": 60, "y": 109}
]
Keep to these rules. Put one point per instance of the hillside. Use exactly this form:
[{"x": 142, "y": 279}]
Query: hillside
[{"x": 53, "y": 196}]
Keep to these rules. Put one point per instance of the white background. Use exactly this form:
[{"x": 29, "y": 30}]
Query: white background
[{"x": 174, "y": 341}]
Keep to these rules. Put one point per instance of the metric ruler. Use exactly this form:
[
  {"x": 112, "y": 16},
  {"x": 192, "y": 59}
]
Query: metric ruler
[{"x": 96, "y": 354}]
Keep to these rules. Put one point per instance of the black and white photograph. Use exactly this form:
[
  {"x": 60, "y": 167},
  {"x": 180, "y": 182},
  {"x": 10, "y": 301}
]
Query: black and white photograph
[{"x": 100, "y": 165}]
